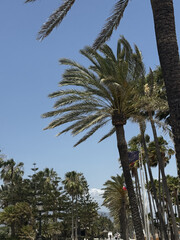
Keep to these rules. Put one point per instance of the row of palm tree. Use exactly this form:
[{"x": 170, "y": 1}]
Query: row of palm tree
[
  {"x": 116, "y": 198},
  {"x": 113, "y": 88}
]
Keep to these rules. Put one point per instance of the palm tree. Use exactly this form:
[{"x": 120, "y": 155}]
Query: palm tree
[
  {"x": 11, "y": 174},
  {"x": 164, "y": 22},
  {"x": 10, "y": 171},
  {"x": 173, "y": 183},
  {"x": 103, "y": 93},
  {"x": 169, "y": 59},
  {"x": 115, "y": 199},
  {"x": 75, "y": 185}
]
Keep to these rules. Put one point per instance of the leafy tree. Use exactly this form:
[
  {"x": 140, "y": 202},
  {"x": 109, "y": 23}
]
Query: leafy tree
[
  {"x": 16, "y": 216},
  {"x": 20, "y": 212},
  {"x": 107, "y": 92},
  {"x": 27, "y": 233},
  {"x": 87, "y": 214},
  {"x": 44, "y": 189},
  {"x": 102, "y": 223}
]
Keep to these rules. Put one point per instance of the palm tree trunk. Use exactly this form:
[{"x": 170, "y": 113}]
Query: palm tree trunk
[
  {"x": 163, "y": 231},
  {"x": 123, "y": 222},
  {"x": 13, "y": 230},
  {"x": 150, "y": 204},
  {"x": 140, "y": 197},
  {"x": 161, "y": 165},
  {"x": 177, "y": 203},
  {"x": 161, "y": 201},
  {"x": 163, "y": 12},
  {"x": 122, "y": 147}
]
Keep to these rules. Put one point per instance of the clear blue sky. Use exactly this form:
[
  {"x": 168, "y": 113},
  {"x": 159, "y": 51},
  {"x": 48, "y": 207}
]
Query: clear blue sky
[{"x": 29, "y": 71}]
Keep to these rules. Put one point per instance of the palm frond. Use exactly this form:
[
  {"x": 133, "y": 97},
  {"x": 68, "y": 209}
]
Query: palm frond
[
  {"x": 82, "y": 107},
  {"x": 55, "y": 19},
  {"x": 69, "y": 116},
  {"x": 89, "y": 53},
  {"x": 127, "y": 51},
  {"x": 80, "y": 121},
  {"x": 68, "y": 92},
  {"x": 66, "y": 118},
  {"x": 110, "y": 133},
  {"x": 91, "y": 85},
  {"x": 101, "y": 64},
  {"x": 65, "y": 61},
  {"x": 90, "y": 133},
  {"x": 88, "y": 122},
  {"x": 111, "y": 23},
  {"x": 29, "y": 1},
  {"x": 71, "y": 99},
  {"x": 108, "y": 52}
]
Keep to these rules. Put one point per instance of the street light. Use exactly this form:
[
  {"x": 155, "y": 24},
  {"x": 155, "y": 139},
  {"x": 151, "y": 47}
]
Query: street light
[{"x": 40, "y": 208}]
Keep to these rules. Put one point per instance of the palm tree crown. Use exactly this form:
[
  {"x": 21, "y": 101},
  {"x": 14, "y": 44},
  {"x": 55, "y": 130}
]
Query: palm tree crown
[{"x": 90, "y": 96}]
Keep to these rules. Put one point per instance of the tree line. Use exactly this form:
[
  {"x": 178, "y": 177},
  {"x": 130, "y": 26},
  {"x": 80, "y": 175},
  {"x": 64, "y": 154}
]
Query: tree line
[{"x": 67, "y": 209}]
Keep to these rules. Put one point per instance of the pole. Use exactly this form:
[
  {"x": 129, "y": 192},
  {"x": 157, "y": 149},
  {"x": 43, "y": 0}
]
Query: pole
[{"x": 39, "y": 234}]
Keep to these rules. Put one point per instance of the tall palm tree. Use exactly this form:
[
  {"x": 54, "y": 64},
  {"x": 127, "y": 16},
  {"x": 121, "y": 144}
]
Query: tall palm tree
[
  {"x": 104, "y": 93},
  {"x": 115, "y": 199},
  {"x": 163, "y": 12}
]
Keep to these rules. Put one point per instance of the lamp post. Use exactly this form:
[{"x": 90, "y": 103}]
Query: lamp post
[
  {"x": 78, "y": 228},
  {"x": 40, "y": 208}
]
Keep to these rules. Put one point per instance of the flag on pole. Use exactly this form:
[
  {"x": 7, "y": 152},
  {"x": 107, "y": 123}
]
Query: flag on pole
[{"x": 133, "y": 156}]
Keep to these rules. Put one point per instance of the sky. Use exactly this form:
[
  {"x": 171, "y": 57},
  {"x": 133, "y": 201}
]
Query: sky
[{"x": 29, "y": 71}]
